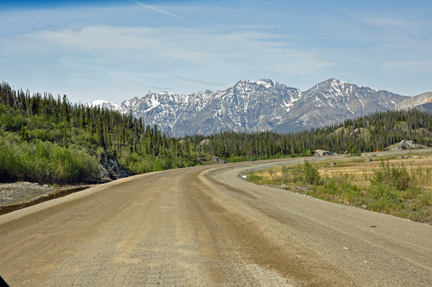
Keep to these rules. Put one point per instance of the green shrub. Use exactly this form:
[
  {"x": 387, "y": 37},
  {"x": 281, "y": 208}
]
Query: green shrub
[
  {"x": 9, "y": 164},
  {"x": 391, "y": 176},
  {"x": 11, "y": 122},
  {"x": 286, "y": 175},
  {"x": 306, "y": 173},
  {"x": 46, "y": 163},
  {"x": 254, "y": 178}
]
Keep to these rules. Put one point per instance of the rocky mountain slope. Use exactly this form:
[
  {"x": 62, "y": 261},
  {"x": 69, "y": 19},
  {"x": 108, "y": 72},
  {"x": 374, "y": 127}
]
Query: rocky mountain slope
[
  {"x": 422, "y": 102},
  {"x": 257, "y": 106},
  {"x": 332, "y": 102}
]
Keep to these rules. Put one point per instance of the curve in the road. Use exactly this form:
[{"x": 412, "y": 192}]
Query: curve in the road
[{"x": 206, "y": 226}]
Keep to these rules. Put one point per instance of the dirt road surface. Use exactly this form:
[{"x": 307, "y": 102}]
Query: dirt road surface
[{"x": 206, "y": 226}]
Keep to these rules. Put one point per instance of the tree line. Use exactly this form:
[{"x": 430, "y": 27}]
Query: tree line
[{"x": 369, "y": 133}]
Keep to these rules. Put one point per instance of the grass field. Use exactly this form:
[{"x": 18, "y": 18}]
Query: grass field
[{"x": 391, "y": 185}]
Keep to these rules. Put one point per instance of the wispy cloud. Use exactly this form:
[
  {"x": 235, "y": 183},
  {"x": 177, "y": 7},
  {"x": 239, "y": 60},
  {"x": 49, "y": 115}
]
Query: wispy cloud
[
  {"x": 129, "y": 82},
  {"x": 176, "y": 47},
  {"x": 131, "y": 48},
  {"x": 424, "y": 67},
  {"x": 189, "y": 59},
  {"x": 156, "y": 9},
  {"x": 194, "y": 81}
]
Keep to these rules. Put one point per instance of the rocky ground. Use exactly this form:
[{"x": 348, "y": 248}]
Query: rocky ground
[
  {"x": 17, "y": 195},
  {"x": 406, "y": 144},
  {"x": 110, "y": 169},
  {"x": 11, "y": 192}
]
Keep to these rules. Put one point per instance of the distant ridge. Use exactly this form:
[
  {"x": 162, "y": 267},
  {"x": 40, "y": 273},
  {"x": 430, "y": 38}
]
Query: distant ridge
[
  {"x": 105, "y": 104},
  {"x": 251, "y": 106},
  {"x": 422, "y": 102}
]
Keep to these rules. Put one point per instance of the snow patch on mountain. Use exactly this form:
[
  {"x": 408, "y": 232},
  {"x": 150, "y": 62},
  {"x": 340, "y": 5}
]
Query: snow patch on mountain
[{"x": 104, "y": 104}]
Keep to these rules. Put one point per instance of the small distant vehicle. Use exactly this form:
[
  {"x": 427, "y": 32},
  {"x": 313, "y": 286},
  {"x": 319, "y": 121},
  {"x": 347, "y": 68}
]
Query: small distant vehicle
[{"x": 252, "y": 159}]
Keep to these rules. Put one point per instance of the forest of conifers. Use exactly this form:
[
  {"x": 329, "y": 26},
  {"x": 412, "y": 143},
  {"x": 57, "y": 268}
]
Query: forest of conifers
[
  {"x": 48, "y": 139},
  {"x": 369, "y": 133}
]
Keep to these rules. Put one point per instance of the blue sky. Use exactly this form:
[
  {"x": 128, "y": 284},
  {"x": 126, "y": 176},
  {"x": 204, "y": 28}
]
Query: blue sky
[{"x": 116, "y": 50}]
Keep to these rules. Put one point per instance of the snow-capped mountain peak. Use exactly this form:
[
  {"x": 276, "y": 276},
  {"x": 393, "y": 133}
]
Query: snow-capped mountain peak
[
  {"x": 251, "y": 106},
  {"x": 104, "y": 104}
]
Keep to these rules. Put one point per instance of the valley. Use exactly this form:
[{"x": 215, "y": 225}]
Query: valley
[{"x": 198, "y": 223}]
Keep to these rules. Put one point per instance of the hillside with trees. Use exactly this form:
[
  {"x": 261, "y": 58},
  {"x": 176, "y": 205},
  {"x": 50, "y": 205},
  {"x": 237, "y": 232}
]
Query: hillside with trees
[
  {"x": 48, "y": 139},
  {"x": 366, "y": 134}
]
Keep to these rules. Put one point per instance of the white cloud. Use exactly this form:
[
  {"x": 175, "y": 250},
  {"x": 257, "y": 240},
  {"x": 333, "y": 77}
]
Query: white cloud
[
  {"x": 178, "y": 59},
  {"x": 175, "y": 45},
  {"x": 99, "y": 39}
]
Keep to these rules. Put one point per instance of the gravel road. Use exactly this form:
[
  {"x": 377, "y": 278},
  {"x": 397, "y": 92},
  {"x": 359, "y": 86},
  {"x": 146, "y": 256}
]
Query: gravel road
[{"x": 206, "y": 226}]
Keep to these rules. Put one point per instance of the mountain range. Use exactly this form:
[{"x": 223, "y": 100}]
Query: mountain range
[{"x": 254, "y": 106}]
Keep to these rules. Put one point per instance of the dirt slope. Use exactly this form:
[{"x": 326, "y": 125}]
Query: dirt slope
[{"x": 206, "y": 226}]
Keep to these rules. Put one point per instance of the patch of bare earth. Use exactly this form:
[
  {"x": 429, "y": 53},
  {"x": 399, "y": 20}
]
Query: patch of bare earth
[{"x": 18, "y": 195}]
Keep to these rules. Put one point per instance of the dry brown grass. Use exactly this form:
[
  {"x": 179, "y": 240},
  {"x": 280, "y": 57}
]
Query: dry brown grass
[
  {"x": 359, "y": 171},
  {"x": 349, "y": 182}
]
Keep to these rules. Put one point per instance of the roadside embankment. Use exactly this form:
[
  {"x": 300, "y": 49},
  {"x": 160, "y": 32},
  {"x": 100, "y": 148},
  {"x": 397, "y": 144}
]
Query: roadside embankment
[{"x": 14, "y": 196}]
